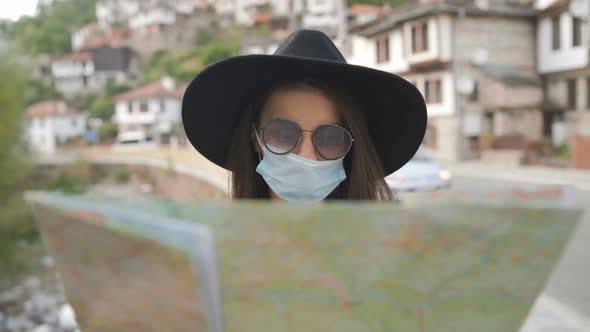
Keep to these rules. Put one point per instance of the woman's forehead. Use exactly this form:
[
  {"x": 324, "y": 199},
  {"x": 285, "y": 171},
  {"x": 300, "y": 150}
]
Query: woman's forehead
[{"x": 306, "y": 107}]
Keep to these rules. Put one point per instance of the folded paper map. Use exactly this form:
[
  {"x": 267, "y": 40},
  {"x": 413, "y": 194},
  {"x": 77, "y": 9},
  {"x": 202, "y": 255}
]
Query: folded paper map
[{"x": 345, "y": 267}]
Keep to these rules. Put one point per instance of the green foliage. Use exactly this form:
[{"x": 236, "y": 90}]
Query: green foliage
[
  {"x": 204, "y": 36},
  {"x": 15, "y": 218},
  {"x": 111, "y": 88},
  {"x": 121, "y": 174},
  {"x": 215, "y": 52},
  {"x": 562, "y": 151},
  {"x": 108, "y": 130},
  {"x": 73, "y": 178},
  {"x": 50, "y": 31},
  {"x": 180, "y": 65},
  {"x": 102, "y": 108},
  {"x": 35, "y": 91}
]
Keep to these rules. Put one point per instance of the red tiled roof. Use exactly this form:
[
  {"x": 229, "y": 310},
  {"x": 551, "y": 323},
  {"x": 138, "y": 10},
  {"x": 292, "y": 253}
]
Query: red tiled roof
[
  {"x": 91, "y": 26},
  {"x": 155, "y": 89},
  {"x": 556, "y": 6},
  {"x": 50, "y": 108},
  {"x": 96, "y": 42},
  {"x": 80, "y": 56},
  {"x": 262, "y": 18},
  {"x": 364, "y": 8}
]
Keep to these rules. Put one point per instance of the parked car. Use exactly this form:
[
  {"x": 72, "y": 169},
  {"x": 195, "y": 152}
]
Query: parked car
[
  {"x": 132, "y": 140},
  {"x": 422, "y": 173}
]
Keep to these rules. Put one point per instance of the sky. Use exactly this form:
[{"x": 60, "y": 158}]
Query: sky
[{"x": 14, "y": 9}]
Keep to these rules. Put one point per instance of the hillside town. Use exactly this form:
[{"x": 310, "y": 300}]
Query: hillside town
[{"x": 505, "y": 81}]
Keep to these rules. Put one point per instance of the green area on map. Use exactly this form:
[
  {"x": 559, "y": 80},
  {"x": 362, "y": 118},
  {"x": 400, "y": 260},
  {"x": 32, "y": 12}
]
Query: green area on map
[
  {"x": 329, "y": 267},
  {"x": 119, "y": 282},
  {"x": 359, "y": 268}
]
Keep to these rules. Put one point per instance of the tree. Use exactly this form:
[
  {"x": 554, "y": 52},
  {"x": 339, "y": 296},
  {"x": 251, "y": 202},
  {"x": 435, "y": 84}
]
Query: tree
[
  {"x": 15, "y": 219},
  {"x": 215, "y": 52},
  {"x": 35, "y": 91},
  {"x": 204, "y": 36},
  {"x": 50, "y": 31},
  {"x": 102, "y": 108},
  {"x": 107, "y": 131},
  {"x": 113, "y": 88}
]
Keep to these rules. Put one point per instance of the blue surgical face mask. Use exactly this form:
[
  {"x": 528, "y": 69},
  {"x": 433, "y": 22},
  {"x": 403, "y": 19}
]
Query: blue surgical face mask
[{"x": 294, "y": 178}]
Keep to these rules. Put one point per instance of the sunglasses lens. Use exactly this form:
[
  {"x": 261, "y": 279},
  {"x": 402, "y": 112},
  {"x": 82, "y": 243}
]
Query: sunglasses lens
[
  {"x": 332, "y": 142},
  {"x": 280, "y": 136}
]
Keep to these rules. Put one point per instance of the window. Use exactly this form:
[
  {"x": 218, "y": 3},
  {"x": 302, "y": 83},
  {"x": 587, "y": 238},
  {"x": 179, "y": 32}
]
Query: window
[
  {"x": 433, "y": 91},
  {"x": 577, "y": 32},
  {"x": 555, "y": 33},
  {"x": 488, "y": 123},
  {"x": 571, "y": 93},
  {"x": 430, "y": 140},
  {"x": 74, "y": 122},
  {"x": 382, "y": 49},
  {"x": 420, "y": 37},
  {"x": 162, "y": 105},
  {"x": 475, "y": 94},
  {"x": 143, "y": 107},
  {"x": 130, "y": 107}
]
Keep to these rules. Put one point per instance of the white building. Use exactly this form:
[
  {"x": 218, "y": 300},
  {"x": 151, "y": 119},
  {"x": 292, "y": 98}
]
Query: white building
[
  {"x": 115, "y": 12},
  {"x": 149, "y": 114},
  {"x": 51, "y": 123},
  {"x": 74, "y": 74},
  {"x": 321, "y": 14},
  {"x": 432, "y": 47},
  {"x": 563, "y": 39},
  {"x": 312, "y": 14},
  {"x": 142, "y": 13},
  {"x": 87, "y": 72},
  {"x": 563, "y": 55}
]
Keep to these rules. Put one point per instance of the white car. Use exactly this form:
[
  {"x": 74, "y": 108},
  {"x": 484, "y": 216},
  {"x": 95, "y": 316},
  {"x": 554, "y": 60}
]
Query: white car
[
  {"x": 132, "y": 140},
  {"x": 421, "y": 173}
]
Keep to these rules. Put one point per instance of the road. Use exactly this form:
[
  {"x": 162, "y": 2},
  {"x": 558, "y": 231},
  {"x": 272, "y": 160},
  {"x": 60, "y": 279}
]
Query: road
[{"x": 565, "y": 303}]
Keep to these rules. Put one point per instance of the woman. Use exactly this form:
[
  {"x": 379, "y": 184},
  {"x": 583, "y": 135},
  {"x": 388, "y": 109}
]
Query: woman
[{"x": 302, "y": 124}]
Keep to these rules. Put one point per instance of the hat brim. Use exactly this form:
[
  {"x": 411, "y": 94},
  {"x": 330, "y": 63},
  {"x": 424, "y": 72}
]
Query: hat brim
[{"x": 394, "y": 109}]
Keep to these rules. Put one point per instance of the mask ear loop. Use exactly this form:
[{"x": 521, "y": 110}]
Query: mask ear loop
[{"x": 259, "y": 144}]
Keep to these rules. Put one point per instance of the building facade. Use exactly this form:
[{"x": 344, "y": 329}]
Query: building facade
[
  {"x": 564, "y": 64},
  {"x": 88, "y": 72},
  {"x": 149, "y": 114},
  {"x": 312, "y": 14},
  {"x": 51, "y": 123},
  {"x": 167, "y": 24},
  {"x": 455, "y": 55}
]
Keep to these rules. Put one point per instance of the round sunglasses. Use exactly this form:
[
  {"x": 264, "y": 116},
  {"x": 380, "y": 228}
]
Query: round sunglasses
[{"x": 330, "y": 141}]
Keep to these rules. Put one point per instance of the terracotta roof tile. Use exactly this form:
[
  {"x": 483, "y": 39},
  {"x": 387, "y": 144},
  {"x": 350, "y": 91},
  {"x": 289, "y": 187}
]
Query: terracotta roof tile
[
  {"x": 152, "y": 90},
  {"x": 50, "y": 108},
  {"x": 364, "y": 8},
  {"x": 556, "y": 7}
]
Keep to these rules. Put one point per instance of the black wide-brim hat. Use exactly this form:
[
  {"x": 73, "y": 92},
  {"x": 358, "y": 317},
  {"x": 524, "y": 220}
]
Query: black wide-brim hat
[{"x": 394, "y": 109}]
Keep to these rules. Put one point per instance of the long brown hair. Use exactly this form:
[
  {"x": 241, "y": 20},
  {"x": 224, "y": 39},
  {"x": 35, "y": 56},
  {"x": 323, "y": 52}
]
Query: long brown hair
[{"x": 365, "y": 176}]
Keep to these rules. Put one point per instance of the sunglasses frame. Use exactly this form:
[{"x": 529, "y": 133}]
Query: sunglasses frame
[{"x": 313, "y": 135}]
